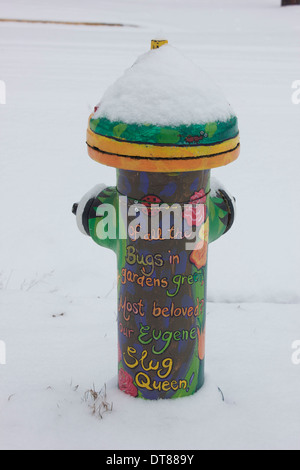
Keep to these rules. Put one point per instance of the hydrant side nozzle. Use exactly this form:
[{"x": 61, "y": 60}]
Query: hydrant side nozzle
[
  {"x": 82, "y": 208},
  {"x": 92, "y": 210},
  {"x": 231, "y": 204},
  {"x": 222, "y": 206}
]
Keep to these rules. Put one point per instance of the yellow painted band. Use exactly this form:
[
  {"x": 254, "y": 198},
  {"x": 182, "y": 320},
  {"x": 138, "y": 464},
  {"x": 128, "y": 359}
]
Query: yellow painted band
[
  {"x": 164, "y": 165},
  {"x": 130, "y": 149}
]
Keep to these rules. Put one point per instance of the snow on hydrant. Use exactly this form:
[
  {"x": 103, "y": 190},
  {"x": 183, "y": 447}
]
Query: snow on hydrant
[{"x": 164, "y": 125}]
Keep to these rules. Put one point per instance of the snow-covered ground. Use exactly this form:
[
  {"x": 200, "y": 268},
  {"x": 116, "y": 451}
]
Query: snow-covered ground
[{"x": 57, "y": 289}]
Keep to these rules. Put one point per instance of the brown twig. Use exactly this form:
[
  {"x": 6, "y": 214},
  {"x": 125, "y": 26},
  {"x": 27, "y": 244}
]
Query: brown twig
[{"x": 99, "y": 404}]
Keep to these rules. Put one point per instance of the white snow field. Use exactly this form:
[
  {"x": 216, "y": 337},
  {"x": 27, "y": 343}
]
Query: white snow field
[{"x": 58, "y": 289}]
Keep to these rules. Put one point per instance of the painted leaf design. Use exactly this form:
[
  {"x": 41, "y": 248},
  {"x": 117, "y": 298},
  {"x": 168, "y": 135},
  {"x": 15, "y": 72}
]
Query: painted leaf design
[
  {"x": 211, "y": 128},
  {"x": 119, "y": 130}
]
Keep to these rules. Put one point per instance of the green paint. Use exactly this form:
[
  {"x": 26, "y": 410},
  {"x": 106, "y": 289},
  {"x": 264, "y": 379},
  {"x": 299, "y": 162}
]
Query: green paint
[
  {"x": 168, "y": 136},
  {"x": 217, "y": 212},
  {"x": 119, "y": 129},
  {"x": 215, "y": 132},
  {"x": 211, "y": 128}
]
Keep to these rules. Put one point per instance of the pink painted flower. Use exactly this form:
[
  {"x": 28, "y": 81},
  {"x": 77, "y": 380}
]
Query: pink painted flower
[
  {"x": 195, "y": 212},
  {"x": 126, "y": 383}
]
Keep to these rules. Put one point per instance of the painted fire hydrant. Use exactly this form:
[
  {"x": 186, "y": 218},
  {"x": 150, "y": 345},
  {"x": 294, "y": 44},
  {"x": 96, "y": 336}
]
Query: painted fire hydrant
[{"x": 164, "y": 125}]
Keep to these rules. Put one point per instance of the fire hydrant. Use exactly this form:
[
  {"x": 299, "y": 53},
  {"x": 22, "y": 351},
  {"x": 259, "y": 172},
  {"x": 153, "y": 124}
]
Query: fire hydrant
[{"x": 162, "y": 214}]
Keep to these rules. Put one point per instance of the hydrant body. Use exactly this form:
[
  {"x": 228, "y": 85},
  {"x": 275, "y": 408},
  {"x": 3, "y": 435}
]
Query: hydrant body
[{"x": 159, "y": 220}]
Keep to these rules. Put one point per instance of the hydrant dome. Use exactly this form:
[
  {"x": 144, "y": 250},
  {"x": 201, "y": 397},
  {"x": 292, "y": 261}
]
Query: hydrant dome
[{"x": 164, "y": 114}]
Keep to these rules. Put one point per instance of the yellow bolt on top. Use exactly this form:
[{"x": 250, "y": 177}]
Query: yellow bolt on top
[{"x": 156, "y": 43}]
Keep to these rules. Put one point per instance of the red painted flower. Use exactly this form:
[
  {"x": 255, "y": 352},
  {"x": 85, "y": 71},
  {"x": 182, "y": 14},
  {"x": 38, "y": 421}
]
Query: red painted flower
[
  {"x": 126, "y": 383},
  {"x": 195, "y": 212}
]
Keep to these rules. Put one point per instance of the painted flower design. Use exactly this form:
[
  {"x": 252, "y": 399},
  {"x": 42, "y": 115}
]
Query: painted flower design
[
  {"x": 126, "y": 383},
  {"x": 199, "y": 256},
  {"x": 195, "y": 212}
]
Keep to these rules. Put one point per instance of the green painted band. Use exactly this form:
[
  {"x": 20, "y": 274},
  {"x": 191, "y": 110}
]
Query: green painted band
[{"x": 193, "y": 135}]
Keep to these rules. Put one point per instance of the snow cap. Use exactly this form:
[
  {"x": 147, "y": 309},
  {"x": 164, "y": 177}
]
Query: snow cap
[{"x": 163, "y": 115}]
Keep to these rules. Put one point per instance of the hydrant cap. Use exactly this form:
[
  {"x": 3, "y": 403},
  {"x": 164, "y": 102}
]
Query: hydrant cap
[{"x": 163, "y": 115}]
